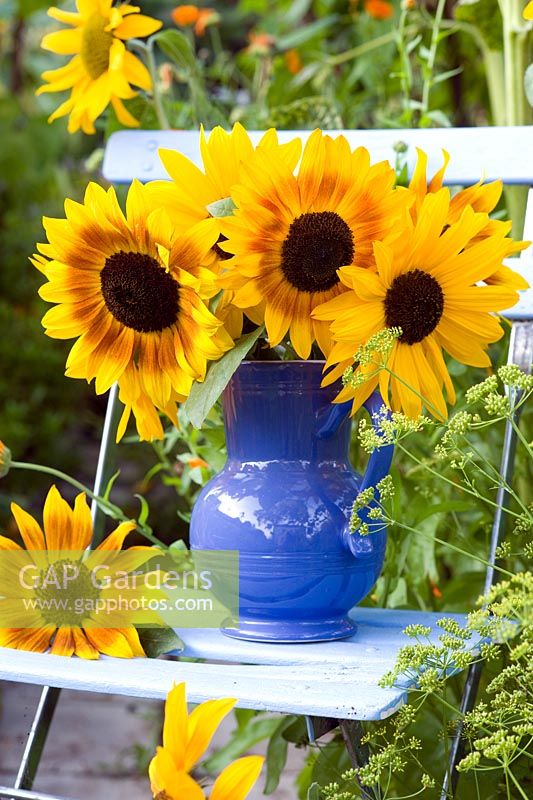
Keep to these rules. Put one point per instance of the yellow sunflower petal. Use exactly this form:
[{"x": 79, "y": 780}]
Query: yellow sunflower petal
[
  {"x": 166, "y": 780},
  {"x": 115, "y": 540},
  {"x": 203, "y": 723},
  {"x": 176, "y": 726},
  {"x": 63, "y": 42},
  {"x": 29, "y": 528},
  {"x": 237, "y": 780},
  {"x": 138, "y": 26},
  {"x": 64, "y": 644},
  {"x": 58, "y": 523}
]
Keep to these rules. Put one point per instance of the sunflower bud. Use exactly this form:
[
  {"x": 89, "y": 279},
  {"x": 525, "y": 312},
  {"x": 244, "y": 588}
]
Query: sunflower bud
[{"x": 5, "y": 459}]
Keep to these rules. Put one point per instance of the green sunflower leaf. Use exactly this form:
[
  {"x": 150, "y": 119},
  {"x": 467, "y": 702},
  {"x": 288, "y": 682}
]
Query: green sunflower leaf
[
  {"x": 204, "y": 395},
  {"x": 159, "y": 641}
]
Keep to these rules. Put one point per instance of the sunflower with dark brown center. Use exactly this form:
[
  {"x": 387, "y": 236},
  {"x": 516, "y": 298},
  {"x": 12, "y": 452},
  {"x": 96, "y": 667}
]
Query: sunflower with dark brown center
[
  {"x": 290, "y": 234},
  {"x": 191, "y": 192},
  {"x": 132, "y": 292},
  {"x": 425, "y": 284}
]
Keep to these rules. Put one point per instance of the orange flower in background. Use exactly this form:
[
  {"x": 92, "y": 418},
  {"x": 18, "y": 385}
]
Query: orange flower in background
[
  {"x": 293, "y": 61},
  {"x": 261, "y": 44},
  {"x": 379, "y": 9},
  {"x": 188, "y": 15}
]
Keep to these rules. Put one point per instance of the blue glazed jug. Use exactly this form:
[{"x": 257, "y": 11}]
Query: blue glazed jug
[{"x": 283, "y": 500}]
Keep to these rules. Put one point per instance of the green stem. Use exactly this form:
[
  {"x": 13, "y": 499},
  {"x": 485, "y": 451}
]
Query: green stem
[
  {"x": 158, "y": 101},
  {"x": 107, "y": 507},
  {"x": 455, "y": 485},
  {"x": 430, "y": 65},
  {"x": 369, "y": 47},
  {"x": 522, "y": 793}
]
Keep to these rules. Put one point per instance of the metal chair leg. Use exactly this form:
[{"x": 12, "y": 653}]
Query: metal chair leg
[
  {"x": 50, "y": 695},
  {"x": 520, "y": 353},
  {"x": 359, "y": 753}
]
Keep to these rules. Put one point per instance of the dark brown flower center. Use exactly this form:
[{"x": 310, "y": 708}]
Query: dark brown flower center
[
  {"x": 139, "y": 292},
  {"x": 218, "y": 250},
  {"x": 95, "y": 45},
  {"x": 414, "y": 302},
  {"x": 317, "y": 245}
]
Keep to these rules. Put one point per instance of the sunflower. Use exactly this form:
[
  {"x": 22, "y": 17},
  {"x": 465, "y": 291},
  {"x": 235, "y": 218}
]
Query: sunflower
[
  {"x": 425, "y": 286},
  {"x": 41, "y": 623},
  {"x": 185, "y": 739},
  {"x": 290, "y": 234},
  {"x": 102, "y": 70},
  {"x": 191, "y": 193},
  {"x": 132, "y": 294},
  {"x": 481, "y": 197}
]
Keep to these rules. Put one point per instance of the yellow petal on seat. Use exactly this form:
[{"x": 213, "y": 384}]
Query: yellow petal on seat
[
  {"x": 64, "y": 644},
  {"x": 109, "y": 641},
  {"x": 58, "y": 522},
  {"x": 203, "y": 723},
  {"x": 176, "y": 726},
  {"x": 35, "y": 640},
  {"x": 64, "y": 43},
  {"x": 83, "y": 647},
  {"x": 9, "y": 544},
  {"x": 138, "y": 26},
  {"x": 115, "y": 540},
  {"x": 236, "y": 781},
  {"x": 132, "y": 637},
  {"x": 83, "y": 524},
  {"x": 29, "y": 528}
]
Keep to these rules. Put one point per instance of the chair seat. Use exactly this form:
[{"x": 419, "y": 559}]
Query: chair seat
[{"x": 330, "y": 679}]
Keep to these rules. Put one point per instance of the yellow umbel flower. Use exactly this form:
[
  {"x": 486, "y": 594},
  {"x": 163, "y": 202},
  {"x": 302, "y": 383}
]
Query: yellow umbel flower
[
  {"x": 39, "y": 622},
  {"x": 290, "y": 234},
  {"x": 424, "y": 285},
  {"x": 191, "y": 193},
  {"x": 102, "y": 70},
  {"x": 132, "y": 294},
  {"x": 481, "y": 197},
  {"x": 186, "y": 737}
]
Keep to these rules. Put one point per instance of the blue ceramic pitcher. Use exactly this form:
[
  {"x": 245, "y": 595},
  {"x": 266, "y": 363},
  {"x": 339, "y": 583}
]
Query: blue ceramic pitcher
[{"x": 283, "y": 500}]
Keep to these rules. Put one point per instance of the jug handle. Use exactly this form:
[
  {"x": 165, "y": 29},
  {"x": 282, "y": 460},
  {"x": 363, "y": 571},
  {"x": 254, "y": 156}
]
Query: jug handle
[{"x": 378, "y": 466}]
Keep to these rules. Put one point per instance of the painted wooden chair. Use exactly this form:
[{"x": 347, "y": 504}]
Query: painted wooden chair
[{"x": 332, "y": 684}]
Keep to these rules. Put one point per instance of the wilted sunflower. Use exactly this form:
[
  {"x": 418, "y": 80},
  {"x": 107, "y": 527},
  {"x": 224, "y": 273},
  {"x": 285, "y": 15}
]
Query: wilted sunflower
[
  {"x": 38, "y": 622},
  {"x": 424, "y": 285},
  {"x": 131, "y": 293},
  {"x": 102, "y": 68},
  {"x": 186, "y": 737},
  {"x": 481, "y": 197},
  {"x": 189, "y": 195},
  {"x": 290, "y": 234}
]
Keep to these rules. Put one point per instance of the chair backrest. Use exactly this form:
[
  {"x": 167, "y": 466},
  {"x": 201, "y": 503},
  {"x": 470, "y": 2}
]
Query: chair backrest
[{"x": 490, "y": 153}]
